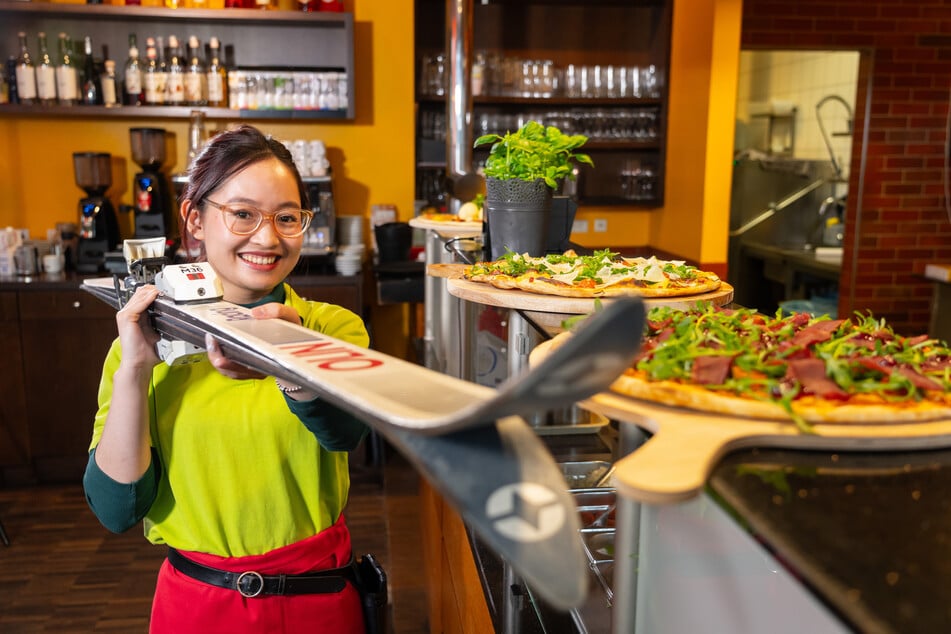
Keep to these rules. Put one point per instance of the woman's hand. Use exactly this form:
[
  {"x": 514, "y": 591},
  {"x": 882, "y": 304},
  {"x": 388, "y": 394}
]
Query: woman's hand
[
  {"x": 136, "y": 334},
  {"x": 233, "y": 369}
]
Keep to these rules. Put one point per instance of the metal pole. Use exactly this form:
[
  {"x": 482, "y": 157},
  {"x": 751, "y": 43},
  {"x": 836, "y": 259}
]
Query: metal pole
[
  {"x": 626, "y": 543},
  {"x": 459, "y": 96}
]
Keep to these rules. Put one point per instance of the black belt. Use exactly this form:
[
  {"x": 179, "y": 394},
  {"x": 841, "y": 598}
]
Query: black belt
[{"x": 251, "y": 584}]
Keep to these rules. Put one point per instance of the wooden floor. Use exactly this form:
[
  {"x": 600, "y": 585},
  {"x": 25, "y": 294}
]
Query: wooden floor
[{"x": 63, "y": 572}]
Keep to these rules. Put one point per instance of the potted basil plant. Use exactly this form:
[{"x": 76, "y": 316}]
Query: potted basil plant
[{"x": 522, "y": 171}]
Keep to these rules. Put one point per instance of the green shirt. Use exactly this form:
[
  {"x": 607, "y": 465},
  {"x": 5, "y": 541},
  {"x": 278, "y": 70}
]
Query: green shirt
[{"x": 238, "y": 469}]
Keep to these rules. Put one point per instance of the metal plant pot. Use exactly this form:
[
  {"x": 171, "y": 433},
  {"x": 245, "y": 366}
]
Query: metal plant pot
[{"x": 517, "y": 216}]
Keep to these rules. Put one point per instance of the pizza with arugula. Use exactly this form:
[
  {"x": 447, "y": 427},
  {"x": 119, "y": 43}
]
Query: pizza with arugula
[
  {"x": 810, "y": 370},
  {"x": 602, "y": 274}
]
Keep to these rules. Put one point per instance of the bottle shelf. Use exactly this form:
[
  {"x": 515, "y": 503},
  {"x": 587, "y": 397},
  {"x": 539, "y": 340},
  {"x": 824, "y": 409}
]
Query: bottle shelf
[
  {"x": 250, "y": 39},
  {"x": 162, "y": 14},
  {"x": 164, "y": 112}
]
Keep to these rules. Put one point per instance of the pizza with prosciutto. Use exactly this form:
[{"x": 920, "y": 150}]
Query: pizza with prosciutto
[
  {"x": 602, "y": 274},
  {"x": 812, "y": 370}
]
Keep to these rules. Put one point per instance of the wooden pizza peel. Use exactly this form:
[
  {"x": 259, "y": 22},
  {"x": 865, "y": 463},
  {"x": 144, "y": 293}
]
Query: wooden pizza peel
[
  {"x": 448, "y": 229},
  {"x": 523, "y": 300},
  {"x": 675, "y": 463}
]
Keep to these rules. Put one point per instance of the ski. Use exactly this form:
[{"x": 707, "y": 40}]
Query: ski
[{"x": 467, "y": 440}]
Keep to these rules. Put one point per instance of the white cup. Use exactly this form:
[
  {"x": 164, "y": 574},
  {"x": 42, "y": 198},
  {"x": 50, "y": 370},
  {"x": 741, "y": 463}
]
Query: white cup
[{"x": 53, "y": 263}]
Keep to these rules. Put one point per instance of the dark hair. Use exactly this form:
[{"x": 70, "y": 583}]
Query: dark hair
[{"x": 228, "y": 153}]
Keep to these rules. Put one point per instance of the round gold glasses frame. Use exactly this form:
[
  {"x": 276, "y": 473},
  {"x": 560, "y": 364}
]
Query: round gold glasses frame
[{"x": 245, "y": 226}]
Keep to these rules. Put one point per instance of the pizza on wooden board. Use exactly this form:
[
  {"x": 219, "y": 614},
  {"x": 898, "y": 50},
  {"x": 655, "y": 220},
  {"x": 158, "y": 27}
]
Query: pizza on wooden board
[
  {"x": 810, "y": 370},
  {"x": 603, "y": 274}
]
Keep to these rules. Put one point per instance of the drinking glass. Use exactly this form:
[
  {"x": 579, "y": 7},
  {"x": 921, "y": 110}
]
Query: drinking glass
[
  {"x": 572, "y": 81},
  {"x": 649, "y": 82},
  {"x": 610, "y": 82},
  {"x": 597, "y": 81},
  {"x": 526, "y": 78},
  {"x": 633, "y": 74}
]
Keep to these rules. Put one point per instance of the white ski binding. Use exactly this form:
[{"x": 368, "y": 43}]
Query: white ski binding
[{"x": 183, "y": 283}]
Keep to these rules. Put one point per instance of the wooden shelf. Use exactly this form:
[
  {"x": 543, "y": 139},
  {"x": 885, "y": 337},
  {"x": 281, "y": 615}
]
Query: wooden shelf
[
  {"x": 285, "y": 40},
  {"x": 162, "y": 14},
  {"x": 163, "y": 112}
]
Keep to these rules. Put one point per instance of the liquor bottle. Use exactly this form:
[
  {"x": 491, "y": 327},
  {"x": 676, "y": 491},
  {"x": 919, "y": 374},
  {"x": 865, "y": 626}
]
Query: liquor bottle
[
  {"x": 45, "y": 74},
  {"x": 175, "y": 88},
  {"x": 4, "y": 88},
  {"x": 163, "y": 68},
  {"x": 307, "y": 6},
  {"x": 196, "y": 90},
  {"x": 265, "y": 4},
  {"x": 10, "y": 72},
  {"x": 92, "y": 88},
  {"x": 110, "y": 85},
  {"x": 331, "y": 5},
  {"x": 217, "y": 77},
  {"x": 25, "y": 73},
  {"x": 132, "y": 93},
  {"x": 152, "y": 78},
  {"x": 67, "y": 73}
]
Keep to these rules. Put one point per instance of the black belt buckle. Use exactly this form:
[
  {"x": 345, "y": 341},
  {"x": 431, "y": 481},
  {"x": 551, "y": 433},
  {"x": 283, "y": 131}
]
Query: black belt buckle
[{"x": 249, "y": 584}]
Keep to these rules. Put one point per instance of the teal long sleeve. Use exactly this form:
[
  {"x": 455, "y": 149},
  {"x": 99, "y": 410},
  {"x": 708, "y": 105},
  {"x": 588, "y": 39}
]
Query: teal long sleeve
[
  {"x": 335, "y": 429},
  {"x": 118, "y": 505}
]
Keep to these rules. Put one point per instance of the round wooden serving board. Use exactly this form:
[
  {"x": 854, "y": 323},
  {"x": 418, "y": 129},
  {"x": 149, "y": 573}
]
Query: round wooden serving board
[
  {"x": 448, "y": 229},
  {"x": 523, "y": 300},
  {"x": 686, "y": 445}
]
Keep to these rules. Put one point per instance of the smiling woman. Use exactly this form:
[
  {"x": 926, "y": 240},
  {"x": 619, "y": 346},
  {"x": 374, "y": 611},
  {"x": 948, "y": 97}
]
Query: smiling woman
[{"x": 172, "y": 445}]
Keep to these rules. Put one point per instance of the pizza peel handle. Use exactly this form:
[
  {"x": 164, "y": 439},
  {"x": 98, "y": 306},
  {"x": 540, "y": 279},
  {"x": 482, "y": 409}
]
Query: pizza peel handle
[
  {"x": 675, "y": 463},
  {"x": 586, "y": 363}
]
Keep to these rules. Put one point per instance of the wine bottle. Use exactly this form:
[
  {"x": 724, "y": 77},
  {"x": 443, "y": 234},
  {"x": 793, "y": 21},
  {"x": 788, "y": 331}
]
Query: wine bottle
[
  {"x": 195, "y": 80},
  {"x": 25, "y": 73},
  {"x": 110, "y": 84},
  {"x": 132, "y": 93},
  {"x": 152, "y": 79},
  {"x": 175, "y": 88},
  {"x": 67, "y": 73},
  {"x": 92, "y": 88},
  {"x": 217, "y": 76},
  {"x": 45, "y": 74}
]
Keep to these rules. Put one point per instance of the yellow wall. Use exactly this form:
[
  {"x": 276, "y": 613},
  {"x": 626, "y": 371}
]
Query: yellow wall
[
  {"x": 372, "y": 157},
  {"x": 694, "y": 221}
]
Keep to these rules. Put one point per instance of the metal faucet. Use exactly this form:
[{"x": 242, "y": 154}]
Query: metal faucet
[{"x": 822, "y": 128}]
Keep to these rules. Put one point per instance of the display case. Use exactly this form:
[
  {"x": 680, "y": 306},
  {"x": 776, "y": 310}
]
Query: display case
[
  {"x": 533, "y": 60},
  {"x": 255, "y": 42}
]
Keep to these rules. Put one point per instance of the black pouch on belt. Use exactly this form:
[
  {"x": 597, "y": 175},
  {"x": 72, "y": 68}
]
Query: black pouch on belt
[{"x": 373, "y": 593}]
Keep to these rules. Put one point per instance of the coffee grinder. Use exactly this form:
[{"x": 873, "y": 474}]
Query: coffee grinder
[
  {"x": 98, "y": 224},
  {"x": 152, "y": 202}
]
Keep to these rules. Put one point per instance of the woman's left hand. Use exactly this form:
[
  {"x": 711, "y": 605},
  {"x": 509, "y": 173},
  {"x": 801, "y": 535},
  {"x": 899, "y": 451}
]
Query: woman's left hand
[{"x": 233, "y": 369}]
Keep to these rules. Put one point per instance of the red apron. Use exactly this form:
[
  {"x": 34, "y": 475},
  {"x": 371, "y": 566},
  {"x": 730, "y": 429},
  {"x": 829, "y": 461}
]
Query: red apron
[{"x": 183, "y": 605}]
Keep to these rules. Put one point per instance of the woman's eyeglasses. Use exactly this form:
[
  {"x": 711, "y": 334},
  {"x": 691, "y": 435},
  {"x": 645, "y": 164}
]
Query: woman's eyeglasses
[{"x": 242, "y": 220}]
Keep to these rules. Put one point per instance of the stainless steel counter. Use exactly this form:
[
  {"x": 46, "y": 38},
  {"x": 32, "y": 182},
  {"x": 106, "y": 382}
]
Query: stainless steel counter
[{"x": 772, "y": 273}]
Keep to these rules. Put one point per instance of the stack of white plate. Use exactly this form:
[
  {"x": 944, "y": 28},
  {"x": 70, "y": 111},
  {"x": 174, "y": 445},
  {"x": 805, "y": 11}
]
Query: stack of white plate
[
  {"x": 349, "y": 259},
  {"x": 350, "y": 230}
]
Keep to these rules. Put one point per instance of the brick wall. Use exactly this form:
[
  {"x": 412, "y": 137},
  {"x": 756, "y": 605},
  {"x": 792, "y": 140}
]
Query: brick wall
[{"x": 898, "y": 222}]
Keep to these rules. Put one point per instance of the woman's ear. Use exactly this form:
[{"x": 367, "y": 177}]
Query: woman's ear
[{"x": 192, "y": 219}]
